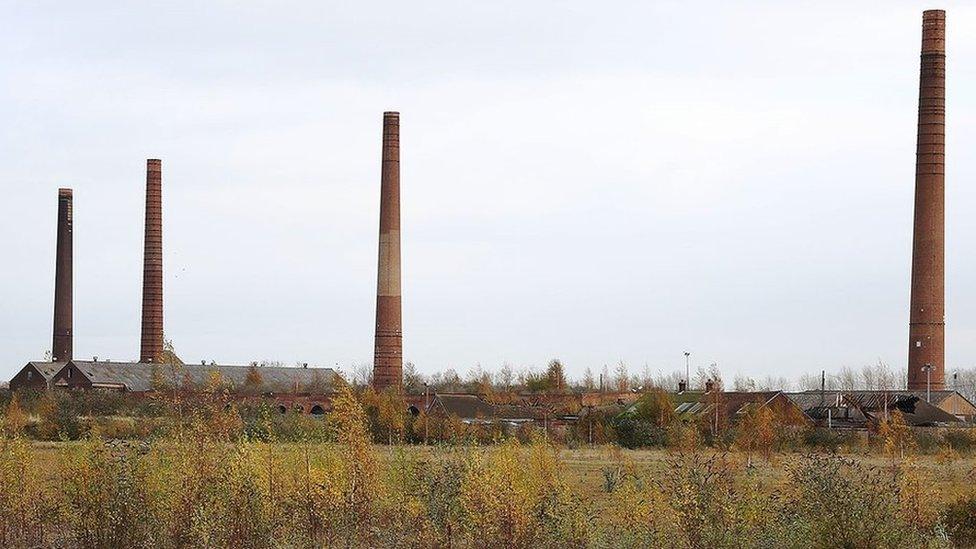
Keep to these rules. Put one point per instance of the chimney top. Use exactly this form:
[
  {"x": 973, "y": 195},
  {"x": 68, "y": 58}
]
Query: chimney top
[{"x": 64, "y": 191}]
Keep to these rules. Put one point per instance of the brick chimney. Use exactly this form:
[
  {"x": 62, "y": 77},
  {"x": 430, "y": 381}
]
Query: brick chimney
[
  {"x": 388, "y": 350},
  {"x": 61, "y": 346},
  {"x": 926, "y": 351},
  {"x": 152, "y": 266}
]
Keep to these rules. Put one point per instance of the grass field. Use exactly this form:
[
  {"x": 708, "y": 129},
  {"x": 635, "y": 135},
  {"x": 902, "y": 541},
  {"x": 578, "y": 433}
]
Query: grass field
[
  {"x": 584, "y": 468},
  {"x": 186, "y": 492}
]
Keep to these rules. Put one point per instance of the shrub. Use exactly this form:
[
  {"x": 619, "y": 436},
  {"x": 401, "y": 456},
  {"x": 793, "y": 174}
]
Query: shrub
[
  {"x": 110, "y": 497},
  {"x": 835, "y": 502},
  {"x": 637, "y": 433},
  {"x": 27, "y": 510},
  {"x": 960, "y": 440},
  {"x": 960, "y": 521},
  {"x": 926, "y": 441}
]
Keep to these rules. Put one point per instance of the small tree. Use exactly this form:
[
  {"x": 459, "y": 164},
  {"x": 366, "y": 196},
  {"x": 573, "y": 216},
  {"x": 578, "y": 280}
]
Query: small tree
[
  {"x": 895, "y": 434},
  {"x": 391, "y": 414},
  {"x": 506, "y": 377},
  {"x": 556, "y": 376},
  {"x": 757, "y": 432},
  {"x": 254, "y": 379},
  {"x": 15, "y": 418},
  {"x": 413, "y": 381},
  {"x": 589, "y": 383},
  {"x": 621, "y": 379},
  {"x": 359, "y": 480}
]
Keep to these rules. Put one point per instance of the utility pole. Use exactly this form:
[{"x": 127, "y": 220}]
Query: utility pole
[
  {"x": 823, "y": 386},
  {"x": 688, "y": 369}
]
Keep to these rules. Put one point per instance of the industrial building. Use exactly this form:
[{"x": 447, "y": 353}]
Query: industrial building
[
  {"x": 35, "y": 376},
  {"x": 926, "y": 356}
]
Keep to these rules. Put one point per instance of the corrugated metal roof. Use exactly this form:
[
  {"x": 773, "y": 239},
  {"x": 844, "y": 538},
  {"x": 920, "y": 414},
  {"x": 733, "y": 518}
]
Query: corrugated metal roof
[
  {"x": 873, "y": 404},
  {"x": 915, "y": 410},
  {"x": 809, "y": 400},
  {"x": 807, "y": 396},
  {"x": 139, "y": 377}
]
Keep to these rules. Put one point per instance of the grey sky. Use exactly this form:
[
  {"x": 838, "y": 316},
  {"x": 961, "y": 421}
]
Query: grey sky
[{"x": 586, "y": 180}]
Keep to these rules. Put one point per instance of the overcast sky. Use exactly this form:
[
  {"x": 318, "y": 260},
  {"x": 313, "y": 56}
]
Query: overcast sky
[{"x": 594, "y": 181}]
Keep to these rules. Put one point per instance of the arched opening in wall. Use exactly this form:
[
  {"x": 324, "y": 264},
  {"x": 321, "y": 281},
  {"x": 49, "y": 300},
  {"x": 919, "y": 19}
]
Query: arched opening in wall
[
  {"x": 318, "y": 410},
  {"x": 282, "y": 409},
  {"x": 414, "y": 411}
]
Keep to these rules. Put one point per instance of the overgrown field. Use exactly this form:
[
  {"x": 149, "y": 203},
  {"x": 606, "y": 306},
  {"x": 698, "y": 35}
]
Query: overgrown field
[{"x": 200, "y": 488}]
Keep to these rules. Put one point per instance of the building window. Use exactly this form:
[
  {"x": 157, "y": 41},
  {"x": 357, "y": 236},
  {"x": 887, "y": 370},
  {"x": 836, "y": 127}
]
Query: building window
[
  {"x": 70, "y": 371},
  {"x": 30, "y": 375}
]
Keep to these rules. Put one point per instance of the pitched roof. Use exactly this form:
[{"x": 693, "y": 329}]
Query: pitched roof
[
  {"x": 872, "y": 405},
  {"x": 139, "y": 377},
  {"x": 816, "y": 398},
  {"x": 733, "y": 403},
  {"x": 915, "y": 410},
  {"x": 939, "y": 396},
  {"x": 46, "y": 369},
  {"x": 131, "y": 376},
  {"x": 808, "y": 400},
  {"x": 472, "y": 407},
  {"x": 464, "y": 406}
]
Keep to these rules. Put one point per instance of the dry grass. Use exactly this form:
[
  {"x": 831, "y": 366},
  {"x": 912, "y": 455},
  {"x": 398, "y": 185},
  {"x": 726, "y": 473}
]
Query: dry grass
[{"x": 583, "y": 468}]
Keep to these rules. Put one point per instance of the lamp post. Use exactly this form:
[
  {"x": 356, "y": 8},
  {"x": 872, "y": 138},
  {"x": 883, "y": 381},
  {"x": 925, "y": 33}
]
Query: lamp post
[
  {"x": 928, "y": 382},
  {"x": 688, "y": 369}
]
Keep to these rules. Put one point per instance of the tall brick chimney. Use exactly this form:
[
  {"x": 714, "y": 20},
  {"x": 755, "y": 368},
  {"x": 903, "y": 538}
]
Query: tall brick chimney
[
  {"x": 388, "y": 351},
  {"x": 926, "y": 351},
  {"x": 61, "y": 346},
  {"x": 152, "y": 266}
]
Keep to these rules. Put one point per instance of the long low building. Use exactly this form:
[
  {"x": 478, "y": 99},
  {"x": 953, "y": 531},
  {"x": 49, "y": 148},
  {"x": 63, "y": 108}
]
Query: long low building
[
  {"x": 302, "y": 389},
  {"x": 858, "y": 409},
  {"x": 139, "y": 377}
]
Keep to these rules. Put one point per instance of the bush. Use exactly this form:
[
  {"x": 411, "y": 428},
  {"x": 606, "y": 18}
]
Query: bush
[
  {"x": 960, "y": 440},
  {"x": 960, "y": 521},
  {"x": 636, "y": 433},
  {"x": 836, "y": 502},
  {"x": 927, "y": 442},
  {"x": 27, "y": 511}
]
